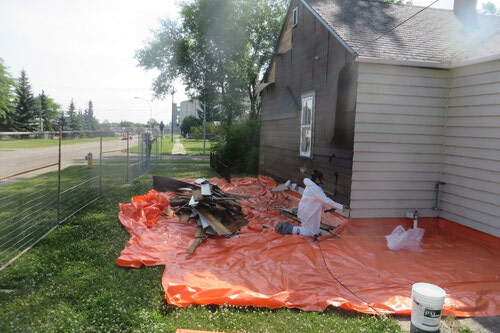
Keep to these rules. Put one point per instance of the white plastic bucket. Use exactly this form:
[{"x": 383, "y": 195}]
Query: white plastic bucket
[{"x": 427, "y": 305}]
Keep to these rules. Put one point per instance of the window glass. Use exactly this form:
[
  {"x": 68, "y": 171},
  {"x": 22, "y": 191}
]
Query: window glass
[{"x": 307, "y": 120}]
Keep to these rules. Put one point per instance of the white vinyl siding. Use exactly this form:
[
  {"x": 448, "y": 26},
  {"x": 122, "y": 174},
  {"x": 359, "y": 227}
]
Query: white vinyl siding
[
  {"x": 471, "y": 164},
  {"x": 416, "y": 127},
  {"x": 400, "y": 118}
]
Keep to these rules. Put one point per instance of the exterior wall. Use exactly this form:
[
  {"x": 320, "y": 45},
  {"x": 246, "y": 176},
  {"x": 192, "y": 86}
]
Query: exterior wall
[
  {"x": 471, "y": 165},
  {"x": 188, "y": 108},
  {"x": 311, "y": 61},
  {"x": 398, "y": 140}
]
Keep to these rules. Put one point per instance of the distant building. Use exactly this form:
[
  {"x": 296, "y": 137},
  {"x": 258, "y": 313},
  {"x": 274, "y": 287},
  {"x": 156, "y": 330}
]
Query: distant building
[{"x": 189, "y": 108}]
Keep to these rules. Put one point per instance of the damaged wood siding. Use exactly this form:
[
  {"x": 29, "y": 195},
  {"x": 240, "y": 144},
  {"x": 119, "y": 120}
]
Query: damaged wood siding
[
  {"x": 312, "y": 64},
  {"x": 471, "y": 166},
  {"x": 398, "y": 140}
]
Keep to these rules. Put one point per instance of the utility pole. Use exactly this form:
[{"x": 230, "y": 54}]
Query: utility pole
[
  {"x": 173, "y": 117},
  {"x": 204, "y": 124}
]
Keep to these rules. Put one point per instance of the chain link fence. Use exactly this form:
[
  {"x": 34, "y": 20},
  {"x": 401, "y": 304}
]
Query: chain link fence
[{"x": 47, "y": 177}]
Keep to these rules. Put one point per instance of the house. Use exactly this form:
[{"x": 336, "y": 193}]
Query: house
[{"x": 399, "y": 107}]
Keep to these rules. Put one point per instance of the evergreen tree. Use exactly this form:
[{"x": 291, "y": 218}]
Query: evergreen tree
[
  {"x": 25, "y": 112},
  {"x": 71, "y": 117},
  {"x": 48, "y": 109},
  {"x": 90, "y": 123},
  {"x": 78, "y": 121},
  {"x": 62, "y": 122}
]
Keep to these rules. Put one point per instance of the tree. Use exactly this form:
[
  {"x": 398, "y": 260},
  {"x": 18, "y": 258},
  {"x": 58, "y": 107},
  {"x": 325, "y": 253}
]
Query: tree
[
  {"x": 219, "y": 51},
  {"x": 189, "y": 122},
  {"x": 42, "y": 107},
  {"x": 212, "y": 112},
  {"x": 7, "y": 97},
  {"x": 74, "y": 119},
  {"x": 264, "y": 21},
  {"x": 48, "y": 110},
  {"x": 125, "y": 123},
  {"x": 63, "y": 122},
  {"x": 490, "y": 8},
  {"x": 152, "y": 122},
  {"x": 90, "y": 123},
  {"x": 25, "y": 117}
]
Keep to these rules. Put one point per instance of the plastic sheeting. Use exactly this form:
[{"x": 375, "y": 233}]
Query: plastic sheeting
[{"x": 356, "y": 271}]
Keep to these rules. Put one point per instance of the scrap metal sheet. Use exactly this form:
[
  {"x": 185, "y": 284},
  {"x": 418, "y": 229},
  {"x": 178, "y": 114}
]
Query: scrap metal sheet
[{"x": 356, "y": 271}]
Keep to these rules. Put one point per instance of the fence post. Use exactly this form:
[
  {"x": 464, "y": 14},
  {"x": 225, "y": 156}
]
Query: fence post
[
  {"x": 158, "y": 156},
  {"x": 59, "y": 180},
  {"x": 128, "y": 136},
  {"x": 100, "y": 166}
]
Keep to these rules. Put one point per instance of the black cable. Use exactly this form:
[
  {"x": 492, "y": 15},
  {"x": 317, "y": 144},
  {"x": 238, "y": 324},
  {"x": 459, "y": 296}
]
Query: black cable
[
  {"x": 343, "y": 285},
  {"x": 409, "y": 18}
]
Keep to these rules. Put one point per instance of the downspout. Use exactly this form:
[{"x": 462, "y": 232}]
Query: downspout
[{"x": 439, "y": 182}]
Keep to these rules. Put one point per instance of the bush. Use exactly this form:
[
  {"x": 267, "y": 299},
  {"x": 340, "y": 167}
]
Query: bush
[
  {"x": 188, "y": 123},
  {"x": 240, "y": 147},
  {"x": 212, "y": 132}
]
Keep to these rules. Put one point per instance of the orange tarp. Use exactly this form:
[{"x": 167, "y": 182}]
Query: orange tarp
[{"x": 356, "y": 271}]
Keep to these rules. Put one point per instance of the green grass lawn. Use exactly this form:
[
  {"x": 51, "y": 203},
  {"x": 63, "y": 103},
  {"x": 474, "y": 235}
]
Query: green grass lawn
[
  {"x": 164, "y": 147},
  {"x": 70, "y": 282},
  {"x": 192, "y": 146},
  {"x": 195, "y": 147},
  {"x": 39, "y": 143}
]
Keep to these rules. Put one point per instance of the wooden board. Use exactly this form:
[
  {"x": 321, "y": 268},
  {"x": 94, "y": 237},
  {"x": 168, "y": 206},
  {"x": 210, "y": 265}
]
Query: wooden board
[
  {"x": 165, "y": 184},
  {"x": 214, "y": 223},
  {"x": 198, "y": 238},
  {"x": 184, "y": 218},
  {"x": 197, "y": 194}
]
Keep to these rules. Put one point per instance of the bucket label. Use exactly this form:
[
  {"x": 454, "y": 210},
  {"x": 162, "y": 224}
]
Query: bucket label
[
  {"x": 430, "y": 313},
  {"x": 425, "y": 316}
]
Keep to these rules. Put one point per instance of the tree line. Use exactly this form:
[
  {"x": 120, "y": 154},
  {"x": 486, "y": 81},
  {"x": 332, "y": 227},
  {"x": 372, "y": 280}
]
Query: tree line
[{"x": 22, "y": 111}]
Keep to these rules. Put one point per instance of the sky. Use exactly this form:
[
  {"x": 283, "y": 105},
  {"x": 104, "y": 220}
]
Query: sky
[{"x": 84, "y": 50}]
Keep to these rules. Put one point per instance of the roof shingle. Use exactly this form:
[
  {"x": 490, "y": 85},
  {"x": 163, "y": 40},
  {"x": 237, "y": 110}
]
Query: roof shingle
[{"x": 371, "y": 28}]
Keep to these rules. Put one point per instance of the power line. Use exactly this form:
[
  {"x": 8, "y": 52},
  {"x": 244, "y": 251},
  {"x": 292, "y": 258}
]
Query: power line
[{"x": 409, "y": 18}]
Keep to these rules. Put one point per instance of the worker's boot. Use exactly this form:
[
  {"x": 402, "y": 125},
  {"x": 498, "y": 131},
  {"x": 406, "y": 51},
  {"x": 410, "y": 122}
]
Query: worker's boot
[{"x": 284, "y": 228}]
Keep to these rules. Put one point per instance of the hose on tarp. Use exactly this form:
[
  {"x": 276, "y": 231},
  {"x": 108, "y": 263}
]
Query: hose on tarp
[{"x": 316, "y": 240}]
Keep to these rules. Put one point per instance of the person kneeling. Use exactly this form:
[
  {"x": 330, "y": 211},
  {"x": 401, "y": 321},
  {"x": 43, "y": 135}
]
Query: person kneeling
[{"x": 313, "y": 202}]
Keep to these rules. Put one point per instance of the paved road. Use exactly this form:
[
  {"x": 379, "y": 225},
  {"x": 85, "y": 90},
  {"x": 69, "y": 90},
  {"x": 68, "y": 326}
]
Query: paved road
[{"x": 16, "y": 161}]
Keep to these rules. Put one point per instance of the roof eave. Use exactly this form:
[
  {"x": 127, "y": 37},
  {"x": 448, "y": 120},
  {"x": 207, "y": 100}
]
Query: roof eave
[{"x": 428, "y": 64}]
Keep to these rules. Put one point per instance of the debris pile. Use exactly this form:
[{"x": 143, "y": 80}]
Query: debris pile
[{"x": 217, "y": 212}]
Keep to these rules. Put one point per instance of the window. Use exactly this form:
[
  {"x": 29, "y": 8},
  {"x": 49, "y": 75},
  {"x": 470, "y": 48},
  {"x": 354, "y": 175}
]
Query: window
[
  {"x": 295, "y": 16},
  {"x": 306, "y": 124}
]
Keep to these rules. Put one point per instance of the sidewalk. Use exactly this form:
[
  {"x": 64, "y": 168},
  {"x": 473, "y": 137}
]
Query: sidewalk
[{"x": 178, "y": 148}]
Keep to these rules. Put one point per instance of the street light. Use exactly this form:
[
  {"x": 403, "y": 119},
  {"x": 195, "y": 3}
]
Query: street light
[{"x": 150, "y": 115}]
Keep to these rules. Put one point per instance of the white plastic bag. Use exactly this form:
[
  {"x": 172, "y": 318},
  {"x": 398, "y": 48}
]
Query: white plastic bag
[{"x": 401, "y": 239}]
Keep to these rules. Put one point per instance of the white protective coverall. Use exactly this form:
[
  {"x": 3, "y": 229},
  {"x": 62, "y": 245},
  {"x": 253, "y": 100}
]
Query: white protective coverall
[{"x": 313, "y": 202}]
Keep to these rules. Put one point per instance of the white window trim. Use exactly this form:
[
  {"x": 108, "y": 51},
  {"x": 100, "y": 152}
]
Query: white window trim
[
  {"x": 295, "y": 17},
  {"x": 311, "y": 126}
]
